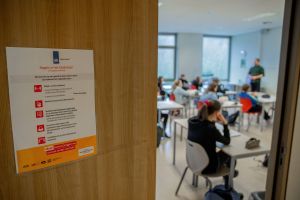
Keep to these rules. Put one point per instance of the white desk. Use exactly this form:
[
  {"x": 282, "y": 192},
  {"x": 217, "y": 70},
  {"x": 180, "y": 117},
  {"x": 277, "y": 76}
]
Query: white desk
[
  {"x": 236, "y": 149},
  {"x": 169, "y": 106},
  {"x": 183, "y": 123},
  {"x": 264, "y": 102},
  {"x": 230, "y": 92}
]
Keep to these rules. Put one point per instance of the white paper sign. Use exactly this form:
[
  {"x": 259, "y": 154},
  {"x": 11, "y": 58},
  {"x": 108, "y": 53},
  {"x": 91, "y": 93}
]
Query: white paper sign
[{"x": 52, "y": 105}]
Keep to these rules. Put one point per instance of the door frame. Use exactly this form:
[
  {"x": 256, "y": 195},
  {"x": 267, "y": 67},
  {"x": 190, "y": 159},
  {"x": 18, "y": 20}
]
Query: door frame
[{"x": 287, "y": 94}]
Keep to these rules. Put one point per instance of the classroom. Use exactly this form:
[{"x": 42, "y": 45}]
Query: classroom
[
  {"x": 149, "y": 99},
  {"x": 218, "y": 70}
]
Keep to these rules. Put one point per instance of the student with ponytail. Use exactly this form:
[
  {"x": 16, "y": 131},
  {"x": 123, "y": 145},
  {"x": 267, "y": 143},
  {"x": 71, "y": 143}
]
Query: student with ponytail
[{"x": 203, "y": 131}]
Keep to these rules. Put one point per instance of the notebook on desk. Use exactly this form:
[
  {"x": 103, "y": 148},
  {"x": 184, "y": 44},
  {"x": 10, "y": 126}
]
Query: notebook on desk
[{"x": 233, "y": 133}]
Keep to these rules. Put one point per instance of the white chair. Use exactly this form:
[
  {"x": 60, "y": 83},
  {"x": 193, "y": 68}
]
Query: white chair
[{"x": 197, "y": 160}]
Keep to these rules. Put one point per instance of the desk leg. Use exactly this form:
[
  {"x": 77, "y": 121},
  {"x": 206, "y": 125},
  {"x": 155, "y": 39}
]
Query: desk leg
[
  {"x": 231, "y": 174},
  {"x": 181, "y": 132},
  {"x": 170, "y": 120},
  {"x": 262, "y": 117},
  {"x": 174, "y": 143},
  {"x": 195, "y": 180},
  {"x": 240, "y": 120}
]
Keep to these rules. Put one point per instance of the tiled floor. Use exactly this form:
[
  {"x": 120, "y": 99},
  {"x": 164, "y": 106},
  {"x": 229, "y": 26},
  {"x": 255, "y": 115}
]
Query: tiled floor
[{"x": 252, "y": 176}]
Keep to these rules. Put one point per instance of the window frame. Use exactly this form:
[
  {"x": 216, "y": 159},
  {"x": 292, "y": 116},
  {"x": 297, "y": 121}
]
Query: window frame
[
  {"x": 229, "y": 53},
  {"x": 175, "y": 53}
]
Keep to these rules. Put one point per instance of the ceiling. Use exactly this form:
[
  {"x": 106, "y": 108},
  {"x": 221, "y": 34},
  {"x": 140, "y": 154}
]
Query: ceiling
[{"x": 219, "y": 17}]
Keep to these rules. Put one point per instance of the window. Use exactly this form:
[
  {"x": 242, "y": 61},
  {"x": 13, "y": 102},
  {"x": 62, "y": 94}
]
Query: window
[
  {"x": 216, "y": 57},
  {"x": 166, "y": 55}
]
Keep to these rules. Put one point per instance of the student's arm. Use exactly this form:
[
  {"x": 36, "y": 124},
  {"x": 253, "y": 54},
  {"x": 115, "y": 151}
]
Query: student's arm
[
  {"x": 253, "y": 99},
  {"x": 220, "y": 138},
  {"x": 183, "y": 92}
]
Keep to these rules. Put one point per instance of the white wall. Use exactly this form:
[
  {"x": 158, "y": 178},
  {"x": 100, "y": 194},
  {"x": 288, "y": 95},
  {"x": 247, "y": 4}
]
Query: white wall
[
  {"x": 262, "y": 44},
  {"x": 293, "y": 192},
  {"x": 250, "y": 43},
  {"x": 270, "y": 56},
  {"x": 189, "y": 55}
]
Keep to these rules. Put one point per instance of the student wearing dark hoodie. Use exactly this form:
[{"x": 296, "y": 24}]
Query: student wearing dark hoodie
[{"x": 203, "y": 131}]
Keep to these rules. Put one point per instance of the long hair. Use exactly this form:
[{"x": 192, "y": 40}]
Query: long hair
[
  {"x": 208, "y": 107},
  {"x": 175, "y": 84},
  {"x": 211, "y": 88}
]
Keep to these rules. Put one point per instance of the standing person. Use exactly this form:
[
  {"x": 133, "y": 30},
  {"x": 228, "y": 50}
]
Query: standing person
[
  {"x": 185, "y": 83},
  {"x": 255, "y": 74},
  {"x": 202, "y": 130},
  {"x": 197, "y": 83}
]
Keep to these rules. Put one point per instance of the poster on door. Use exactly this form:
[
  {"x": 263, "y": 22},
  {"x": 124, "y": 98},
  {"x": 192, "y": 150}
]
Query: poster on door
[{"x": 52, "y": 102}]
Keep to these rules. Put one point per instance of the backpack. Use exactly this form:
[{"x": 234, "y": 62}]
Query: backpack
[{"x": 219, "y": 192}]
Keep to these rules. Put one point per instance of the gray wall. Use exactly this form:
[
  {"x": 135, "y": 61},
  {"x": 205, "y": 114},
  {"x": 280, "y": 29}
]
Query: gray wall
[
  {"x": 270, "y": 56},
  {"x": 293, "y": 192},
  {"x": 250, "y": 43},
  {"x": 189, "y": 55},
  {"x": 262, "y": 44}
]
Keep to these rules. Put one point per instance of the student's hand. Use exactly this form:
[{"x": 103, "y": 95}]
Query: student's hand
[{"x": 221, "y": 118}]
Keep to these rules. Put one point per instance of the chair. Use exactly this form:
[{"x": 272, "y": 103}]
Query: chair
[
  {"x": 197, "y": 160},
  {"x": 193, "y": 87},
  {"x": 172, "y": 97},
  {"x": 246, "y": 106}
]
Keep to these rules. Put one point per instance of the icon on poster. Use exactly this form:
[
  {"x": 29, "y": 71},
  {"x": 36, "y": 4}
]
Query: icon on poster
[
  {"x": 39, "y": 103},
  {"x": 38, "y": 88},
  {"x": 41, "y": 140},
  {"x": 39, "y": 114},
  {"x": 40, "y": 128}
]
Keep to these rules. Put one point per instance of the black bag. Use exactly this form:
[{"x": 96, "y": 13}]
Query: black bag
[
  {"x": 219, "y": 192},
  {"x": 160, "y": 132}
]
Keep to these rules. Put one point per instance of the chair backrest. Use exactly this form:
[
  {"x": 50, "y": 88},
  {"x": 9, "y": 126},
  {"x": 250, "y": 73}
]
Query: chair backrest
[
  {"x": 196, "y": 157},
  {"x": 247, "y": 104},
  {"x": 172, "y": 97},
  {"x": 193, "y": 87}
]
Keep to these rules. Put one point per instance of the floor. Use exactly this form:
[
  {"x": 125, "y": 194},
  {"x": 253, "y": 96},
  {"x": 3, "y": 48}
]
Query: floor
[{"x": 252, "y": 176}]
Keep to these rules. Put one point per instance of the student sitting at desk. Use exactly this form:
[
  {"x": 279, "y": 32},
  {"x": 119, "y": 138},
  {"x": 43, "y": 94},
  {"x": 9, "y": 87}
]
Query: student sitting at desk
[
  {"x": 203, "y": 131},
  {"x": 255, "y": 106},
  {"x": 162, "y": 93},
  {"x": 160, "y": 88},
  {"x": 185, "y": 83},
  {"x": 220, "y": 87},
  {"x": 181, "y": 96},
  {"x": 197, "y": 83},
  {"x": 210, "y": 93}
]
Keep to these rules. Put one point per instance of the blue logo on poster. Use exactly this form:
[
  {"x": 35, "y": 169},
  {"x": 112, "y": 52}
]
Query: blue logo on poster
[{"x": 55, "y": 57}]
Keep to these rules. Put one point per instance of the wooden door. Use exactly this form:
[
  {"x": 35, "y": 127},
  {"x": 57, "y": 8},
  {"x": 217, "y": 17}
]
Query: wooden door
[{"x": 123, "y": 35}]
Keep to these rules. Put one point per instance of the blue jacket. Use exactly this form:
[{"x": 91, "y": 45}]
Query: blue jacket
[{"x": 248, "y": 96}]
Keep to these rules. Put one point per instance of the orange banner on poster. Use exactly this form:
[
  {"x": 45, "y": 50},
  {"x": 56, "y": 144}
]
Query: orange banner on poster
[{"x": 49, "y": 155}]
